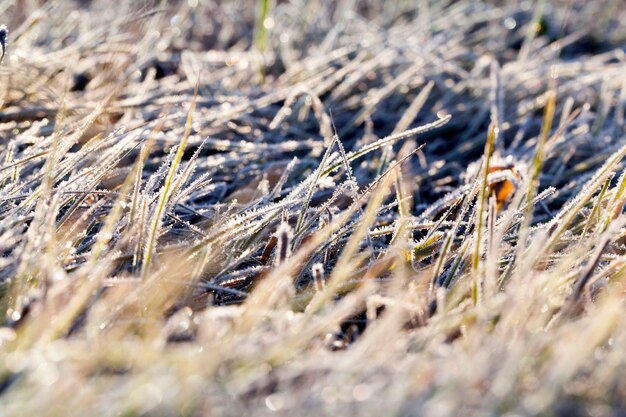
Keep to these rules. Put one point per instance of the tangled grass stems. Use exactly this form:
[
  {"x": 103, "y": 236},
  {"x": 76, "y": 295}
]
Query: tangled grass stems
[{"x": 215, "y": 248}]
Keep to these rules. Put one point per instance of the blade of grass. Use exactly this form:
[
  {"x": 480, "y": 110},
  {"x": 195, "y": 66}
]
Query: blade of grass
[{"x": 165, "y": 191}]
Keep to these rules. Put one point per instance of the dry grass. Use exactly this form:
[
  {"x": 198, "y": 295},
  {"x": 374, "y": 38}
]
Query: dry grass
[{"x": 356, "y": 208}]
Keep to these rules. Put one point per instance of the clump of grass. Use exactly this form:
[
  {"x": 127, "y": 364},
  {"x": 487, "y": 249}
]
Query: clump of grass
[{"x": 219, "y": 245}]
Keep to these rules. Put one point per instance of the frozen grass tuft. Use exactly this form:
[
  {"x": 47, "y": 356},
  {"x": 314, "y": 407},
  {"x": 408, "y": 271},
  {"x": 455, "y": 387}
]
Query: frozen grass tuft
[{"x": 312, "y": 208}]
